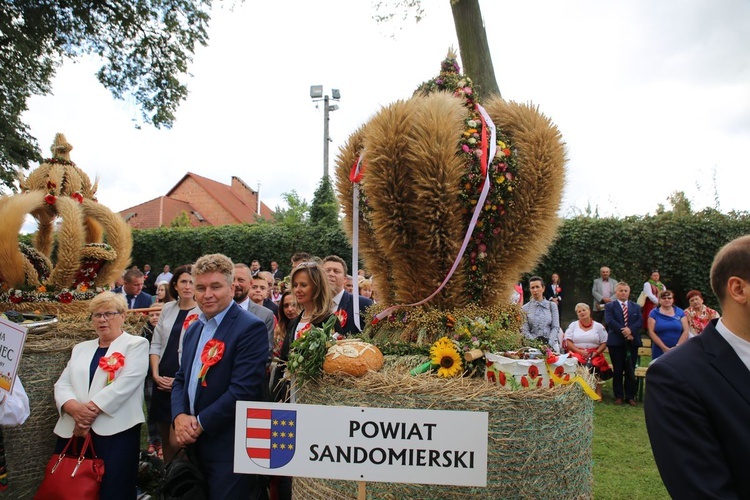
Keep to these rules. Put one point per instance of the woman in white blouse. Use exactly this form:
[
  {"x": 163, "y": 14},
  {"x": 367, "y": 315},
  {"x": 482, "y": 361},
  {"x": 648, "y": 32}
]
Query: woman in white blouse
[{"x": 586, "y": 339}]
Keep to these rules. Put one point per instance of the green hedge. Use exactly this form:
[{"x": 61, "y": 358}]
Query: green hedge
[
  {"x": 242, "y": 243},
  {"x": 682, "y": 247}
]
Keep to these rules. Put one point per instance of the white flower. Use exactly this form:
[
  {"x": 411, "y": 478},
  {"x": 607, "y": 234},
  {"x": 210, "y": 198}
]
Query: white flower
[{"x": 472, "y": 123}]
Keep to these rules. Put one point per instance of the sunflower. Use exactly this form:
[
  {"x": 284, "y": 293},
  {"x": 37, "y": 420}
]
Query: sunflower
[{"x": 444, "y": 355}]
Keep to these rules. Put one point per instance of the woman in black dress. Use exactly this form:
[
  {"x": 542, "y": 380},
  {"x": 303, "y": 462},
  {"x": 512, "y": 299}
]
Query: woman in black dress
[{"x": 166, "y": 345}]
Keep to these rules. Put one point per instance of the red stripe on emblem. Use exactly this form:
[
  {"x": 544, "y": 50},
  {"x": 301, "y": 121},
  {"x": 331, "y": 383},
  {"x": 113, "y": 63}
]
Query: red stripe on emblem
[
  {"x": 259, "y": 453},
  {"x": 258, "y": 433},
  {"x": 255, "y": 413}
]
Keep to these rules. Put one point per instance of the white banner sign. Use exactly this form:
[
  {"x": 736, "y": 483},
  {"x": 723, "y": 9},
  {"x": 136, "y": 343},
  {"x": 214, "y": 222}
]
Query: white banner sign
[
  {"x": 12, "y": 338},
  {"x": 361, "y": 444}
]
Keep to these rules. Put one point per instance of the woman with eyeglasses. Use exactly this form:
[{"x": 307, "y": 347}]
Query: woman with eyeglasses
[
  {"x": 166, "y": 345},
  {"x": 666, "y": 325},
  {"x": 100, "y": 393}
]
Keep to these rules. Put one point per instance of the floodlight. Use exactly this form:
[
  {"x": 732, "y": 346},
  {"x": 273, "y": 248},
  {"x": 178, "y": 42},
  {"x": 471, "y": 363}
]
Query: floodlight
[
  {"x": 333, "y": 107},
  {"x": 316, "y": 91},
  {"x": 335, "y": 93}
]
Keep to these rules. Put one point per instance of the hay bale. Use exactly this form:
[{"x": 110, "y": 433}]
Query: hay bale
[{"x": 539, "y": 440}]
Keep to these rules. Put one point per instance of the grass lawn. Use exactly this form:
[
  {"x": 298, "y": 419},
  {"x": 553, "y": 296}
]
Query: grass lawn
[{"x": 623, "y": 463}]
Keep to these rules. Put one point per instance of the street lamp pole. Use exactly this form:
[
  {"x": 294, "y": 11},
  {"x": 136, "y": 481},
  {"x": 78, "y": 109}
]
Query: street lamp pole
[
  {"x": 326, "y": 138},
  {"x": 316, "y": 93}
]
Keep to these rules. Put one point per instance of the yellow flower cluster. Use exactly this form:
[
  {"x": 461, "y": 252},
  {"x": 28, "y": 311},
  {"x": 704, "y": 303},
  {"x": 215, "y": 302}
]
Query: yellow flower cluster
[{"x": 445, "y": 356}]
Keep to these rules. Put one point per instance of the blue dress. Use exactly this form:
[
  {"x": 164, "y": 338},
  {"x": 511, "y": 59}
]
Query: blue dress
[{"x": 667, "y": 328}]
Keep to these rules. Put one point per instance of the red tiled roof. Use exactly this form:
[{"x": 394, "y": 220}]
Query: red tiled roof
[
  {"x": 224, "y": 195},
  {"x": 159, "y": 212}
]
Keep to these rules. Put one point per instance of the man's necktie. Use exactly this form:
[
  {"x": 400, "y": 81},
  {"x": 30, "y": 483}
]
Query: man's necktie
[
  {"x": 625, "y": 313},
  {"x": 131, "y": 301}
]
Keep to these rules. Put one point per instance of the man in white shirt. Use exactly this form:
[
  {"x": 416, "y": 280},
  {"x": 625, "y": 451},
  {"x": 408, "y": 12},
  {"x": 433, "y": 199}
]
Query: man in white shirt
[
  {"x": 164, "y": 276},
  {"x": 14, "y": 410},
  {"x": 697, "y": 401}
]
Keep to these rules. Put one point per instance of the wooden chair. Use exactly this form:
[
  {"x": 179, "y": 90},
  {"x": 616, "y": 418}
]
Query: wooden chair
[{"x": 640, "y": 371}]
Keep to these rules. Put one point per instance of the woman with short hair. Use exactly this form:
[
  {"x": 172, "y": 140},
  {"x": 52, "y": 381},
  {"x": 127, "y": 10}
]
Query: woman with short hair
[
  {"x": 698, "y": 314},
  {"x": 542, "y": 321},
  {"x": 100, "y": 392},
  {"x": 667, "y": 324}
]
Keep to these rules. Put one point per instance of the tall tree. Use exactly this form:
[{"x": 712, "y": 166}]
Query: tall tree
[
  {"x": 146, "y": 46},
  {"x": 297, "y": 211},
  {"x": 324, "y": 208},
  {"x": 470, "y": 31}
]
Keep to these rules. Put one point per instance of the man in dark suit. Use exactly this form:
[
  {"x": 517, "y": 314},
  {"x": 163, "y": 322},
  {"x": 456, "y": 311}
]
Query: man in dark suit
[
  {"x": 149, "y": 280},
  {"x": 133, "y": 290},
  {"x": 204, "y": 410},
  {"x": 276, "y": 272},
  {"x": 624, "y": 322},
  {"x": 343, "y": 301},
  {"x": 698, "y": 394}
]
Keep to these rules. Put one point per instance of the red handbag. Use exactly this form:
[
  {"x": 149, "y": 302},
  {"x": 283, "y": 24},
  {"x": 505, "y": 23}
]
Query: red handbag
[{"x": 74, "y": 476}]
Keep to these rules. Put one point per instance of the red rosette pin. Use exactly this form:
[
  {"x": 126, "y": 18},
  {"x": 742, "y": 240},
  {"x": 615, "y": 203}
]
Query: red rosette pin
[
  {"x": 342, "y": 316},
  {"x": 111, "y": 364},
  {"x": 212, "y": 353},
  {"x": 301, "y": 333},
  {"x": 189, "y": 321}
]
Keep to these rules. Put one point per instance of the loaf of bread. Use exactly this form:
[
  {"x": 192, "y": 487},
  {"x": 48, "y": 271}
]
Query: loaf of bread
[{"x": 353, "y": 357}]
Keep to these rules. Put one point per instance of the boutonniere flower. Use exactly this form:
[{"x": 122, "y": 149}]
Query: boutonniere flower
[
  {"x": 558, "y": 289},
  {"x": 111, "y": 364},
  {"x": 303, "y": 331},
  {"x": 189, "y": 321},
  {"x": 212, "y": 353},
  {"x": 342, "y": 316}
]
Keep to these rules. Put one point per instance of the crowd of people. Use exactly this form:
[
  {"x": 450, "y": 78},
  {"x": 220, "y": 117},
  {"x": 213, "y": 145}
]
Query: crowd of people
[
  {"x": 198, "y": 310},
  {"x": 198, "y": 315},
  {"x": 615, "y": 324}
]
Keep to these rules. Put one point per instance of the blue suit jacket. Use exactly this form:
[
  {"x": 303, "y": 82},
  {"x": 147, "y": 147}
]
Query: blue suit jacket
[
  {"x": 615, "y": 321},
  {"x": 237, "y": 377},
  {"x": 697, "y": 408},
  {"x": 347, "y": 304}
]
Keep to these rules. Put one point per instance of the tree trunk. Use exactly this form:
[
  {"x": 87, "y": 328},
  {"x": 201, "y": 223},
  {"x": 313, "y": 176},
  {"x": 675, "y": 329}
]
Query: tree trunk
[{"x": 472, "y": 43}]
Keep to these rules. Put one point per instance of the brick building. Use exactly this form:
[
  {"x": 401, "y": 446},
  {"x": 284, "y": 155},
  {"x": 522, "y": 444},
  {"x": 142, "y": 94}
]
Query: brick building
[{"x": 206, "y": 203}]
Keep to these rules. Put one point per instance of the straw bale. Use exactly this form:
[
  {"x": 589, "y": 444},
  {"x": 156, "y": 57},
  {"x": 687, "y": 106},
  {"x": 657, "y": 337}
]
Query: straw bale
[{"x": 539, "y": 440}]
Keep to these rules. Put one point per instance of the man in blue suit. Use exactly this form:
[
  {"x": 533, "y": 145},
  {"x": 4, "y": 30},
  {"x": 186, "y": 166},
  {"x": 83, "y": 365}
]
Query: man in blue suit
[
  {"x": 235, "y": 344},
  {"x": 133, "y": 290},
  {"x": 343, "y": 301},
  {"x": 698, "y": 395},
  {"x": 624, "y": 322}
]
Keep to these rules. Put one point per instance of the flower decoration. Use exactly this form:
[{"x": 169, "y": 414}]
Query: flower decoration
[
  {"x": 473, "y": 146},
  {"x": 111, "y": 364},
  {"x": 77, "y": 196},
  {"x": 342, "y": 316},
  {"x": 189, "y": 321},
  {"x": 50, "y": 199},
  {"x": 212, "y": 353},
  {"x": 303, "y": 331},
  {"x": 65, "y": 297},
  {"x": 444, "y": 355}
]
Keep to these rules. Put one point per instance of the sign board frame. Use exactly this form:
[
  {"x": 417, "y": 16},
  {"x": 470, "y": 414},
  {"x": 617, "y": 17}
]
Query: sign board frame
[
  {"x": 12, "y": 341},
  {"x": 362, "y": 443}
]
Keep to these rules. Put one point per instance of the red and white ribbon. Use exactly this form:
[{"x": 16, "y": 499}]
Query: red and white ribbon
[{"x": 489, "y": 148}]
